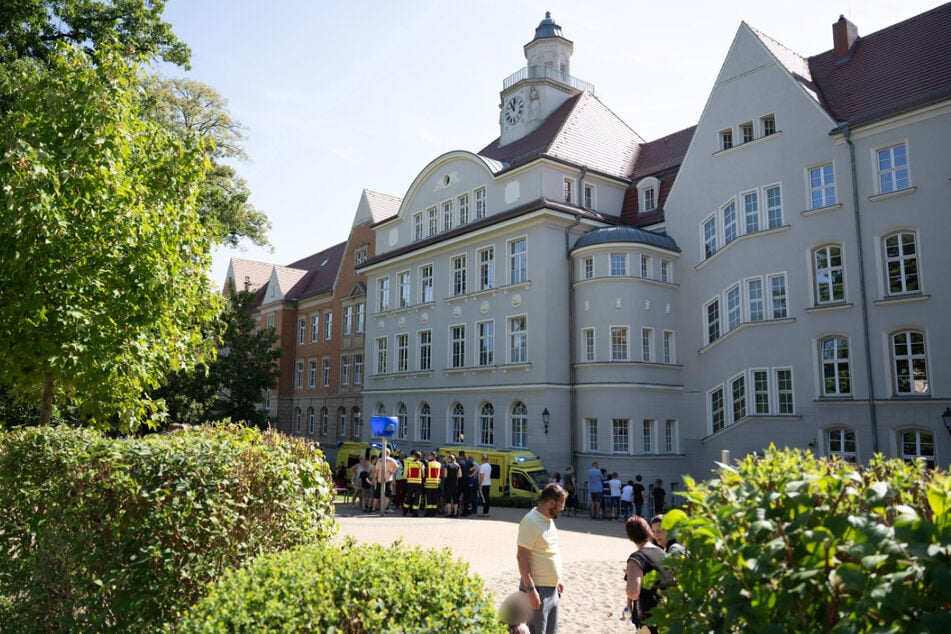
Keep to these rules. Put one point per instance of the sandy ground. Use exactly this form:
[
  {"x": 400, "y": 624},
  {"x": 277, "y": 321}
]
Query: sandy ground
[{"x": 594, "y": 554}]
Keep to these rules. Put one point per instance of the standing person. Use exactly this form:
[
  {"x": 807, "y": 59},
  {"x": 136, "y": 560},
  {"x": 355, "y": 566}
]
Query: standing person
[
  {"x": 594, "y": 489},
  {"x": 605, "y": 494},
  {"x": 475, "y": 491},
  {"x": 451, "y": 475},
  {"x": 556, "y": 479},
  {"x": 571, "y": 486},
  {"x": 400, "y": 480},
  {"x": 539, "y": 559},
  {"x": 356, "y": 470},
  {"x": 614, "y": 484},
  {"x": 382, "y": 481},
  {"x": 431, "y": 484},
  {"x": 627, "y": 499},
  {"x": 465, "y": 494},
  {"x": 485, "y": 484},
  {"x": 670, "y": 546},
  {"x": 366, "y": 488},
  {"x": 659, "y": 495},
  {"x": 413, "y": 465},
  {"x": 638, "y": 495},
  {"x": 647, "y": 558}
]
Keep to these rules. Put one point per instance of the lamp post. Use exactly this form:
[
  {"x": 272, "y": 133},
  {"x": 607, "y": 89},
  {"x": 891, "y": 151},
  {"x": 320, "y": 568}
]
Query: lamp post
[
  {"x": 547, "y": 417},
  {"x": 946, "y": 417}
]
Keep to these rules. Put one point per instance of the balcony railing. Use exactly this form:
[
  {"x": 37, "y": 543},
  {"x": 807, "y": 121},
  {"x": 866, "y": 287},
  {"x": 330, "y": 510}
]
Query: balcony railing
[{"x": 542, "y": 72}]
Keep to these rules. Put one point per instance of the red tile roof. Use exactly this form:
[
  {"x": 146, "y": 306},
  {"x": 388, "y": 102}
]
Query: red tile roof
[
  {"x": 661, "y": 159},
  {"x": 582, "y": 131},
  {"x": 902, "y": 67}
]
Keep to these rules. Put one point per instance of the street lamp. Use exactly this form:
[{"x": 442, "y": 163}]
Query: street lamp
[
  {"x": 946, "y": 417},
  {"x": 547, "y": 417}
]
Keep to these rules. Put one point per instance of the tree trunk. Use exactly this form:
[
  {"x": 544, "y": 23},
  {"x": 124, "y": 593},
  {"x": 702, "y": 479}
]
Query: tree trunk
[{"x": 46, "y": 406}]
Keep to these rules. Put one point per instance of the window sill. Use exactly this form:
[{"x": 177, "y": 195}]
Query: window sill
[
  {"x": 894, "y": 194},
  {"x": 821, "y": 210},
  {"x": 746, "y": 324},
  {"x": 511, "y": 367},
  {"x": 821, "y": 308},
  {"x": 903, "y": 299}
]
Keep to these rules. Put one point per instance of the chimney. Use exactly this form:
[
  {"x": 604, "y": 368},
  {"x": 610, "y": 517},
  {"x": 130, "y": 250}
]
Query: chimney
[{"x": 844, "y": 34}]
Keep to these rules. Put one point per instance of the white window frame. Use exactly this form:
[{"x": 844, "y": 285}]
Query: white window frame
[
  {"x": 590, "y": 200},
  {"x": 618, "y": 259},
  {"x": 774, "y": 205},
  {"x": 518, "y": 260},
  {"x": 843, "y": 443},
  {"x": 587, "y": 268},
  {"x": 591, "y": 433},
  {"x": 895, "y": 177},
  {"x": 726, "y": 139},
  {"x": 314, "y": 327},
  {"x": 458, "y": 279},
  {"x": 518, "y": 338},
  {"x": 751, "y": 211},
  {"x": 457, "y": 346},
  {"x": 481, "y": 203},
  {"x": 519, "y": 425},
  {"x": 820, "y": 182},
  {"x": 485, "y": 331},
  {"x": 447, "y": 215},
  {"x": 403, "y": 289},
  {"x": 747, "y": 132},
  {"x": 912, "y": 354},
  {"x": 328, "y": 325},
  {"x": 424, "y": 360},
  {"x": 621, "y": 436},
  {"x": 568, "y": 190},
  {"x": 834, "y": 358},
  {"x": 345, "y": 370},
  {"x": 620, "y": 350},
  {"x": 768, "y": 124},
  {"x": 301, "y": 330},
  {"x": 828, "y": 274},
  {"x": 486, "y": 260},
  {"x": 647, "y": 345},
  {"x": 462, "y": 203},
  {"x": 325, "y": 372},
  {"x": 418, "y": 226},
  {"x": 670, "y": 347},
  {"x": 299, "y": 376},
  {"x": 709, "y": 236},
  {"x": 382, "y": 349},
  {"x": 348, "y": 319},
  {"x": 402, "y": 352},
  {"x": 903, "y": 260},
  {"x": 383, "y": 294},
  {"x": 426, "y": 284},
  {"x": 432, "y": 218},
  {"x": 588, "y": 346}
]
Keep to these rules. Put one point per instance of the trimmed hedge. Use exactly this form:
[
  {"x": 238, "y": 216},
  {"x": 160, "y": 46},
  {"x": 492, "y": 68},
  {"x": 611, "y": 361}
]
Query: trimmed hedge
[
  {"x": 355, "y": 589},
  {"x": 99, "y": 534},
  {"x": 788, "y": 542}
]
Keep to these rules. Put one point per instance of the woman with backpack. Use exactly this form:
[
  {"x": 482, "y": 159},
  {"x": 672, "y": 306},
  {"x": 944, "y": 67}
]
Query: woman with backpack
[{"x": 643, "y": 588}]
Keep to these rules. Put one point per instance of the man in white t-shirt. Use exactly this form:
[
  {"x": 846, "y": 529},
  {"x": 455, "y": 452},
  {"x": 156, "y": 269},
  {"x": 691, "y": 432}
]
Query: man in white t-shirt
[
  {"x": 485, "y": 484},
  {"x": 539, "y": 559}
]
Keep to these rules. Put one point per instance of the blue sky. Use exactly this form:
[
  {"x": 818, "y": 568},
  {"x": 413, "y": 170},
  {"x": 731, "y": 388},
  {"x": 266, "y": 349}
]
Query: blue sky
[{"x": 342, "y": 96}]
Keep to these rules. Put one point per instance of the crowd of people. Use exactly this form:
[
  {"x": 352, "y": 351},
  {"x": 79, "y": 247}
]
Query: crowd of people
[
  {"x": 610, "y": 499},
  {"x": 415, "y": 483}
]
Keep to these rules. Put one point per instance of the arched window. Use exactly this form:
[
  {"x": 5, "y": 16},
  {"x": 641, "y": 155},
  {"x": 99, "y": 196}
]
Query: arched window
[
  {"x": 917, "y": 444},
  {"x": 310, "y": 421},
  {"x": 356, "y": 422},
  {"x": 836, "y": 369},
  {"x": 342, "y": 422},
  {"x": 425, "y": 422},
  {"x": 910, "y": 363},
  {"x": 402, "y": 429},
  {"x": 829, "y": 274},
  {"x": 487, "y": 424},
  {"x": 901, "y": 263},
  {"x": 458, "y": 423},
  {"x": 519, "y": 425},
  {"x": 841, "y": 443}
]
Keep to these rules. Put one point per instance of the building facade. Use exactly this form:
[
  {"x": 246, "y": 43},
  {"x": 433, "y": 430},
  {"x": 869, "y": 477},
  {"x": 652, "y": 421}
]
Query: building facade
[{"x": 772, "y": 275}]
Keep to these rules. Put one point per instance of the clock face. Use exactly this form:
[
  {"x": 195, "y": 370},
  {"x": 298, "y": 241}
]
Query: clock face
[{"x": 514, "y": 108}]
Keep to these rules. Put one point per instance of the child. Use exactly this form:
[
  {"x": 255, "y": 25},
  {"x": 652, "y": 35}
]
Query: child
[
  {"x": 515, "y": 612},
  {"x": 627, "y": 499}
]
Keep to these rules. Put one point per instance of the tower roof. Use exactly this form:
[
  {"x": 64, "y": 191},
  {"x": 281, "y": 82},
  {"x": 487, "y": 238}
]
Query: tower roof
[{"x": 547, "y": 29}]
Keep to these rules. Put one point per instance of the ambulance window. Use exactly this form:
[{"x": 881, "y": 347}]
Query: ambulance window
[
  {"x": 495, "y": 472},
  {"x": 519, "y": 481}
]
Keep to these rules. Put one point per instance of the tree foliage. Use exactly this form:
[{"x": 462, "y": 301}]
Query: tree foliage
[
  {"x": 34, "y": 28},
  {"x": 105, "y": 257},
  {"x": 791, "y": 543},
  {"x": 194, "y": 109},
  {"x": 230, "y": 387}
]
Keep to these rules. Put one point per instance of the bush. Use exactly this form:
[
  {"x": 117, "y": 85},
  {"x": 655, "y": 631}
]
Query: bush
[
  {"x": 791, "y": 543},
  {"x": 122, "y": 535},
  {"x": 353, "y": 590}
]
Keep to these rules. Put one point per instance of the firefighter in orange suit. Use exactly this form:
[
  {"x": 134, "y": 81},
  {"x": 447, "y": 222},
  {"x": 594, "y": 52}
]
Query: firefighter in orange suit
[
  {"x": 413, "y": 468},
  {"x": 431, "y": 485}
]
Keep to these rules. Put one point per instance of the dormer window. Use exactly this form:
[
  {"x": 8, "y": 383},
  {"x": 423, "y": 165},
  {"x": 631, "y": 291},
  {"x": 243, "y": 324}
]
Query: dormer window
[
  {"x": 726, "y": 139},
  {"x": 746, "y": 131},
  {"x": 647, "y": 190},
  {"x": 768, "y": 124},
  {"x": 650, "y": 201},
  {"x": 360, "y": 256}
]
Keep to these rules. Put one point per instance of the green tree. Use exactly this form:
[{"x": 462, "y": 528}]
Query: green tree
[
  {"x": 34, "y": 28},
  {"x": 194, "y": 109},
  {"x": 104, "y": 256},
  {"x": 230, "y": 386}
]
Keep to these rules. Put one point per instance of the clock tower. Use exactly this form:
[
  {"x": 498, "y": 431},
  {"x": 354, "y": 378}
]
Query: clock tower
[{"x": 531, "y": 94}]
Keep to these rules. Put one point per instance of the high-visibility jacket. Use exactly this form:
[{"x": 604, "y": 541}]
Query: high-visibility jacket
[
  {"x": 433, "y": 472},
  {"x": 414, "y": 471}
]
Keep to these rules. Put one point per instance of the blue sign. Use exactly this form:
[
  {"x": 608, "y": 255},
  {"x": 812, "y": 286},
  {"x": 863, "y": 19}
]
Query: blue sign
[{"x": 384, "y": 425}]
